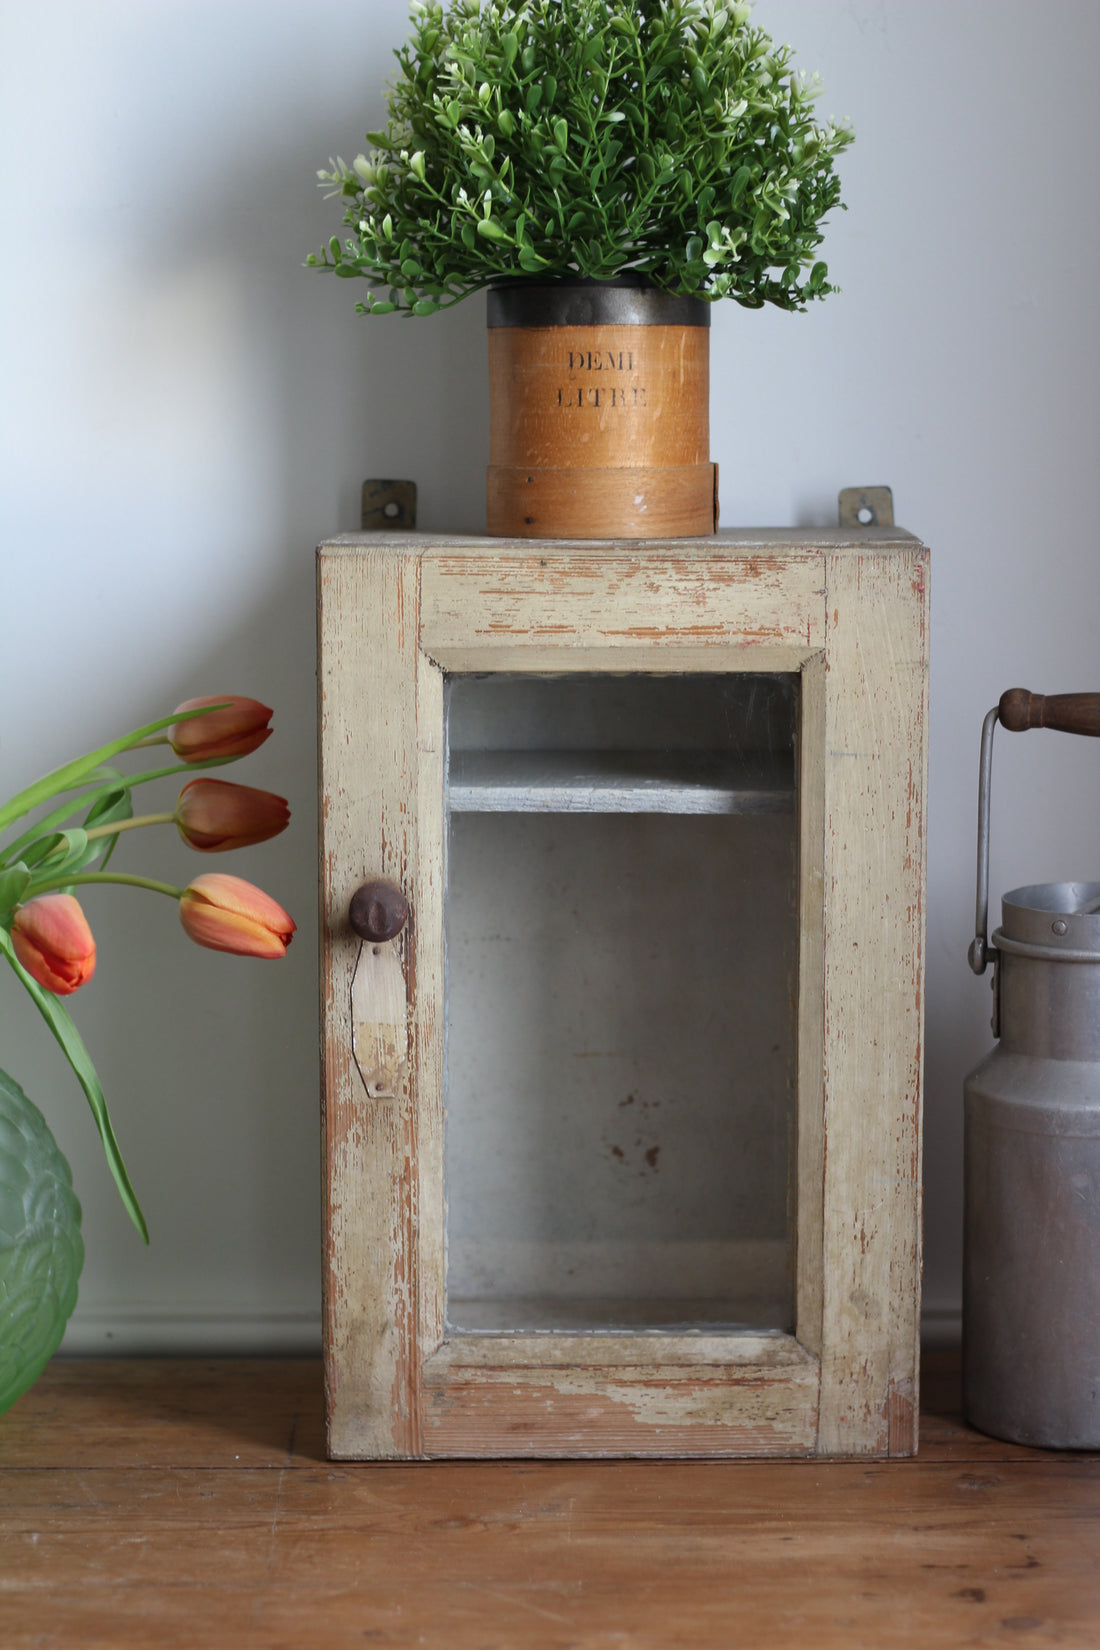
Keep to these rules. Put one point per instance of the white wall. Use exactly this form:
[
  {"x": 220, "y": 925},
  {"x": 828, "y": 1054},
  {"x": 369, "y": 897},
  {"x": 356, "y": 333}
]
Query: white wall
[{"x": 187, "y": 412}]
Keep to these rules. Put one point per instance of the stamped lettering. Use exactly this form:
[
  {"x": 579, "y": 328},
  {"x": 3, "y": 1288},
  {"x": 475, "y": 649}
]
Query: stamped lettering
[
  {"x": 604, "y": 392},
  {"x": 602, "y": 395}
]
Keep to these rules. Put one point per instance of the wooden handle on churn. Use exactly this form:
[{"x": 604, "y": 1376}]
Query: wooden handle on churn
[{"x": 1064, "y": 712}]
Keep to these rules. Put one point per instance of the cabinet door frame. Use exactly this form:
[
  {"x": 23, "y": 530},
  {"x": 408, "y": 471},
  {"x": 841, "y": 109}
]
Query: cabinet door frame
[{"x": 396, "y": 614}]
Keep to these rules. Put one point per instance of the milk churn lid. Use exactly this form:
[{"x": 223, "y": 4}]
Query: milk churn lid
[{"x": 1060, "y": 920}]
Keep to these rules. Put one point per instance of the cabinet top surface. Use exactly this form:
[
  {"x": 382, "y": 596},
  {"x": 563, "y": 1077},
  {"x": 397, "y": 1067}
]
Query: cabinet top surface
[{"x": 735, "y": 541}]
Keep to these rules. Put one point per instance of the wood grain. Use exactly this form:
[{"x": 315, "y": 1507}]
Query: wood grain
[
  {"x": 875, "y": 756},
  {"x": 599, "y": 397},
  {"x": 367, "y": 616},
  {"x": 185, "y": 1503},
  {"x": 810, "y": 1152},
  {"x": 851, "y": 616},
  {"x": 657, "y": 597},
  {"x": 379, "y": 1020},
  {"x": 533, "y": 501}
]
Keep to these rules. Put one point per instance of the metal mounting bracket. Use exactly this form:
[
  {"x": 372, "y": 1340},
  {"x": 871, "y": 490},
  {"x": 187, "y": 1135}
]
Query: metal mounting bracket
[
  {"x": 865, "y": 507},
  {"x": 388, "y": 506}
]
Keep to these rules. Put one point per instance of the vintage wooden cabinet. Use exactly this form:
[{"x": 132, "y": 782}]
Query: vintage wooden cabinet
[{"x": 622, "y": 1130}]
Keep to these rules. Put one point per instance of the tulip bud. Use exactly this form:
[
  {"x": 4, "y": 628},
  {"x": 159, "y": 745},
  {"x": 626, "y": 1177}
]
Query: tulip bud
[
  {"x": 213, "y": 815},
  {"x": 227, "y": 914},
  {"x": 239, "y": 728},
  {"x": 53, "y": 942}
]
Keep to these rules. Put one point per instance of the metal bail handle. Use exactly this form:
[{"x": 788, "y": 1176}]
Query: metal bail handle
[{"x": 1018, "y": 711}]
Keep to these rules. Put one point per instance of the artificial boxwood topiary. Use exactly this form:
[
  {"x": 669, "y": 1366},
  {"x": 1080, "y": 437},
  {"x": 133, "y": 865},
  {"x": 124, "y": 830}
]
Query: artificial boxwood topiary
[{"x": 551, "y": 138}]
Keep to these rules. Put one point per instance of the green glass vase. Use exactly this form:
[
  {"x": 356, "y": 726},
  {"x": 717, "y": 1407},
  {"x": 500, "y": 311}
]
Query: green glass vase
[{"x": 41, "y": 1249}]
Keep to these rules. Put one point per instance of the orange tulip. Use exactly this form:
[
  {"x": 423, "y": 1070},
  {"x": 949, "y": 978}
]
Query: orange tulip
[
  {"x": 213, "y": 815},
  {"x": 227, "y": 914},
  {"x": 52, "y": 940},
  {"x": 239, "y": 728}
]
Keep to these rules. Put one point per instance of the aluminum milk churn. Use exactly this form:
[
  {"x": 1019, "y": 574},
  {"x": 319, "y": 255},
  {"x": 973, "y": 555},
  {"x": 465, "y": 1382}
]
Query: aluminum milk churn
[{"x": 1031, "y": 1284}]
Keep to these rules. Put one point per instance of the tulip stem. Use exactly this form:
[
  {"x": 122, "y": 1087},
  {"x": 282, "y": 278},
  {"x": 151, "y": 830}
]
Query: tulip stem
[
  {"x": 87, "y": 877},
  {"x": 130, "y": 824},
  {"x": 123, "y": 782}
]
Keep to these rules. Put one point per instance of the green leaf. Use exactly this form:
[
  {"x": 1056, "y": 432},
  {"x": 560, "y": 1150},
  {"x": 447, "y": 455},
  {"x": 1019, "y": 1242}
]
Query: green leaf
[
  {"x": 110, "y": 809},
  {"x": 424, "y": 306},
  {"x": 13, "y": 883},
  {"x": 115, "y": 782},
  {"x": 78, "y": 772},
  {"x": 713, "y": 108},
  {"x": 57, "y": 1018},
  {"x": 65, "y": 854},
  {"x": 741, "y": 180},
  {"x": 491, "y": 230}
]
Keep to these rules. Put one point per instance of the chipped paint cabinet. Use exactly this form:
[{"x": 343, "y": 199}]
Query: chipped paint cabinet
[{"x": 622, "y": 1126}]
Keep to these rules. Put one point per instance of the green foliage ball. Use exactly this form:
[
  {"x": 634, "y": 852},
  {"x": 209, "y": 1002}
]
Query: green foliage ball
[{"x": 552, "y": 138}]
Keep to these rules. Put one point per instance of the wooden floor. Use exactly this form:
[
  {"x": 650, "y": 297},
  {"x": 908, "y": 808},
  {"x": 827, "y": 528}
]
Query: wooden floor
[{"x": 188, "y": 1503}]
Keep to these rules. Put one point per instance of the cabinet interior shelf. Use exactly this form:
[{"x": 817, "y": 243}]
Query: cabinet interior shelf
[{"x": 608, "y": 782}]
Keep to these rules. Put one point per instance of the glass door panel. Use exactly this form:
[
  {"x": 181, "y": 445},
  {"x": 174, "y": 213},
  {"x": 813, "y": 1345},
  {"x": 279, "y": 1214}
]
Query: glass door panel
[{"x": 621, "y": 933}]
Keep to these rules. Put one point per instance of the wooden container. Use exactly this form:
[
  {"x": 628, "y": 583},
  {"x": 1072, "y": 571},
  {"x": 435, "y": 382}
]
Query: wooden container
[
  {"x": 599, "y": 413},
  {"x": 656, "y": 816}
]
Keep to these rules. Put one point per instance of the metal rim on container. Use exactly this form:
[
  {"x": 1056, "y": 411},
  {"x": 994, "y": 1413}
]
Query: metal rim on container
[{"x": 584, "y": 303}]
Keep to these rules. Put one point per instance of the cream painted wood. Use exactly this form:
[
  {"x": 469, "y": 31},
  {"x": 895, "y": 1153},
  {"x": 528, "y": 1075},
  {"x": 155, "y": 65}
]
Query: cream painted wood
[
  {"x": 379, "y": 1020},
  {"x": 570, "y": 1400},
  {"x": 562, "y": 659},
  {"x": 811, "y": 962},
  {"x": 425, "y": 1255},
  {"x": 368, "y": 727},
  {"x": 876, "y": 693},
  {"x": 849, "y": 611},
  {"x": 569, "y": 597}
]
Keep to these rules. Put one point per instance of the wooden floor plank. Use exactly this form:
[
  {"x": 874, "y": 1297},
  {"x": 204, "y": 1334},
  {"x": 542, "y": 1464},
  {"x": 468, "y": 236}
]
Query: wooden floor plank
[
  {"x": 163, "y": 1412},
  {"x": 187, "y": 1504}
]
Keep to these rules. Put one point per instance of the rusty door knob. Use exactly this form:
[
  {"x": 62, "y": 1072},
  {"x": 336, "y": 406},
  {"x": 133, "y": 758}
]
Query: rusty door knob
[{"x": 378, "y": 911}]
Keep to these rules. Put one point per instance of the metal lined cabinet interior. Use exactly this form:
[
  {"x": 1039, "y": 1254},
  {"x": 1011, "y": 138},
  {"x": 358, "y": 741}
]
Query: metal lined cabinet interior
[{"x": 622, "y": 1124}]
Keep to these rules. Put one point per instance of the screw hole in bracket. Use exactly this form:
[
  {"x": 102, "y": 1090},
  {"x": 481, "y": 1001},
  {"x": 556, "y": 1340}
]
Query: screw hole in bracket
[
  {"x": 386, "y": 505},
  {"x": 865, "y": 507}
]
